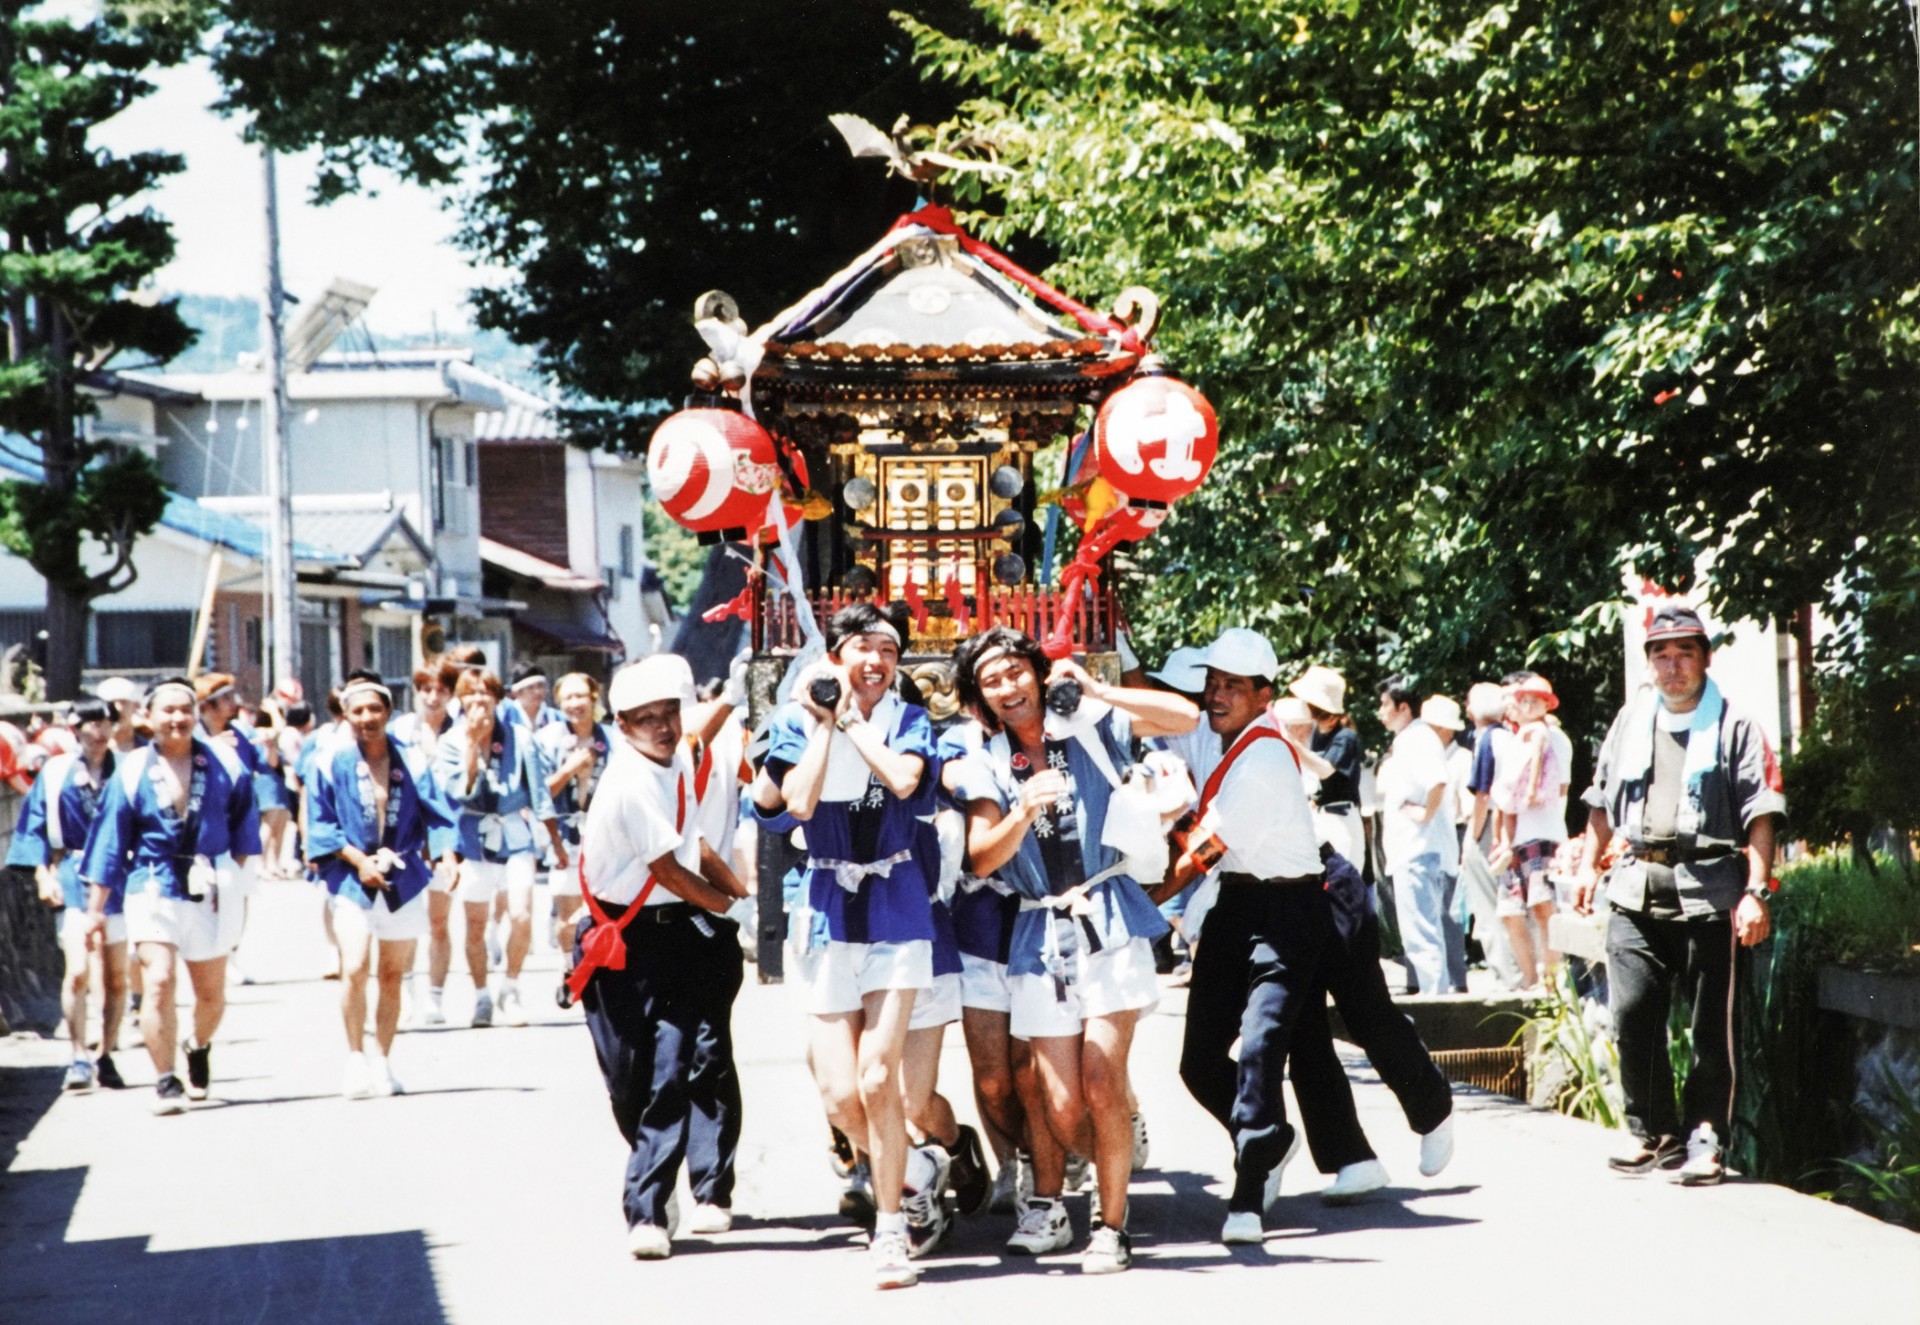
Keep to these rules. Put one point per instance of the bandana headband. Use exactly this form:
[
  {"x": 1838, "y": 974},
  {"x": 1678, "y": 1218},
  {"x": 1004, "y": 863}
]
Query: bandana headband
[
  {"x": 153, "y": 696},
  {"x": 356, "y": 687},
  {"x": 524, "y": 682},
  {"x": 990, "y": 656},
  {"x": 882, "y": 628},
  {"x": 221, "y": 693}
]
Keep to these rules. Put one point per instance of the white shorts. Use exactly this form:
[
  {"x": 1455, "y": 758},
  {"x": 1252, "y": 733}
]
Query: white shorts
[
  {"x": 983, "y": 984},
  {"x": 444, "y": 877},
  {"x": 849, "y": 971},
  {"x": 73, "y": 928},
  {"x": 409, "y": 922},
  {"x": 564, "y": 883},
  {"x": 200, "y": 933},
  {"x": 937, "y": 1006},
  {"x": 1113, "y": 980},
  {"x": 481, "y": 879}
]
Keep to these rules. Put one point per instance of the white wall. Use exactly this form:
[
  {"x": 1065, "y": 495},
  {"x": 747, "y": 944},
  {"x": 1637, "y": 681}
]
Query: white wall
[
  {"x": 171, "y": 568},
  {"x": 618, "y": 493}
]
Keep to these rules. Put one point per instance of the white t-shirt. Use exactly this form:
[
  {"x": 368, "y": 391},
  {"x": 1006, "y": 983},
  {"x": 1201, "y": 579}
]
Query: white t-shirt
[
  {"x": 1199, "y": 750},
  {"x": 1415, "y": 766},
  {"x": 1547, "y": 821},
  {"x": 632, "y": 822},
  {"x": 720, "y": 804},
  {"x": 1261, "y": 814}
]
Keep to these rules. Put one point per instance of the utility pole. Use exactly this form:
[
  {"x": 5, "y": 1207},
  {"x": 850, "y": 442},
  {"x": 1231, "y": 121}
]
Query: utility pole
[{"x": 282, "y": 653}]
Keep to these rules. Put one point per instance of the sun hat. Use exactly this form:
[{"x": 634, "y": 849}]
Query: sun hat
[
  {"x": 1323, "y": 688},
  {"x": 1439, "y": 711}
]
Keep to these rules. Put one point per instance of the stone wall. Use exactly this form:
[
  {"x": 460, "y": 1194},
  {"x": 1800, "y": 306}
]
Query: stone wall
[{"x": 29, "y": 947}]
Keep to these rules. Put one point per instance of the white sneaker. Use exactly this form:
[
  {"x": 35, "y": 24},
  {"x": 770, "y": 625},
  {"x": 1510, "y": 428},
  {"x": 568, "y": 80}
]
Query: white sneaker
[
  {"x": 1355, "y": 1181},
  {"x": 1109, "y": 1251},
  {"x": 1006, "y": 1178},
  {"x": 1436, "y": 1148},
  {"x": 357, "y": 1084},
  {"x": 483, "y": 1009},
  {"x": 1142, "y": 1147},
  {"x": 891, "y": 1259},
  {"x": 511, "y": 1010},
  {"x": 435, "y": 1015},
  {"x": 1042, "y": 1228},
  {"x": 384, "y": 1082},
  {"x": 926, "y": 1209},
  {"x": 709, "y": 1219},
  {"x": 648, "y": 1242},
  {"x": 1703, "y": 1167},
  {"x": 1078, "y": 1169},
  {"x": 1243, "y": 1227},
  {"x": 1270, "y": 1190}
]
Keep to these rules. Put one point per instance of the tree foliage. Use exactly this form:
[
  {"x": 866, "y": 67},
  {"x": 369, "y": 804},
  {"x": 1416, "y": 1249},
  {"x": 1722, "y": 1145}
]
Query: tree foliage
[
  {"x": 1496, "y": 301},
  {"x": 73, "y": 254},
  {"x": 620, "y": 158}
]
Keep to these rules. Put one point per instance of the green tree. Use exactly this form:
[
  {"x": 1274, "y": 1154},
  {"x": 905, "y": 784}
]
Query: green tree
[
  {"x": 75, "y": 256},
  {"x": 621, "y": 159},
  {"x": 1496, "y": 301}
]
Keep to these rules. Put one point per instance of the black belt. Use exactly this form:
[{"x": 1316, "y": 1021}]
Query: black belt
[
  {"x": 664, "y": 914},
  {"x": 1239, "y": 880},
  {"x": 1337, "y": 807},
  {"x": 1666, "y": 853}
]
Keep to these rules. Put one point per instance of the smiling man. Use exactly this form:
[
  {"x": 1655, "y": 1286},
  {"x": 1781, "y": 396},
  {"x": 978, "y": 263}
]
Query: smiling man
[
  {"x": 657, "y": 963},
  {"x": 1692, "y": 784},
  {"x": 177, "y": 827}
]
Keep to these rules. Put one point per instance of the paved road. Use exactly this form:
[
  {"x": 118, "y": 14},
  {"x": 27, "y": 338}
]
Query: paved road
[{"x": 490, "y": 1193}]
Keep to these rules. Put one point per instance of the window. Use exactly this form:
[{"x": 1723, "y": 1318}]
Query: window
[
  {"x": 140, "y": 640},
  {"x": 473, "y": 464},
  {"x": 626, "y": 552},
  {"x": 612, "y": 582},
  {"x": 438, "y": 464}
]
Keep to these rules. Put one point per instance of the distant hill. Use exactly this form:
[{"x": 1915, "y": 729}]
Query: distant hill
[{"x": 229, "y": 326}]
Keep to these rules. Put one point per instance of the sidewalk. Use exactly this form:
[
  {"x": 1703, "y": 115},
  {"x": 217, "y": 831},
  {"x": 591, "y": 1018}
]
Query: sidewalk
[{"x": 490, "y": 1193}]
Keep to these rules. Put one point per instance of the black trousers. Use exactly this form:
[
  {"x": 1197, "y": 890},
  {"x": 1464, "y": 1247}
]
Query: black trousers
[
  {"x": 663, "y": 1032},
  {"x": 1259, "y": 964},
  {"x": 1646, "y": 958},
  {"x": 1353, "y": 979}
]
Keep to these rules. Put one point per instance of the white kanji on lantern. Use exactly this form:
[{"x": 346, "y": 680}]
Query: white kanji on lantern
[{"x": 1176, "y": 424}]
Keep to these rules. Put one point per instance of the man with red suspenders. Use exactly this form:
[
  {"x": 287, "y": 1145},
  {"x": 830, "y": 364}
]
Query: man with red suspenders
[
  {"x": 658, "y": 964},
  {"x": 1270, "y": 937}
]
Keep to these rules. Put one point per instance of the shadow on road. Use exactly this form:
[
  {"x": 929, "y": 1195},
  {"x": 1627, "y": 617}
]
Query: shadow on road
[{"x": 45, "y": 1278}]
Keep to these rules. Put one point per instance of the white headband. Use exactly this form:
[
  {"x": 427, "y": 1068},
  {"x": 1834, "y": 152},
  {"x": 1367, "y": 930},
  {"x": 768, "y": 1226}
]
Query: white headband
[
  {"x": 221, "y": 693},
  {"x": 153, "y": 696},
  {"x": 993, "y": 655},
  {"x": 881, "y": 628},
  {"x": 353, "y": 688},
  {"x": 526, "y": 681}
]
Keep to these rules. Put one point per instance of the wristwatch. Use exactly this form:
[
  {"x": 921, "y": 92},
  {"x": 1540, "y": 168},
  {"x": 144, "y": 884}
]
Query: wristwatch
[
  {"x": 850, "y": 719},
  {"x": 1760, "y": 892}
]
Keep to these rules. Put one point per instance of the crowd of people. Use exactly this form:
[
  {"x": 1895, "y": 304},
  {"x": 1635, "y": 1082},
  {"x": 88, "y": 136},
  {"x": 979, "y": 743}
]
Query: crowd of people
[{"x": 1020, "y": 871}]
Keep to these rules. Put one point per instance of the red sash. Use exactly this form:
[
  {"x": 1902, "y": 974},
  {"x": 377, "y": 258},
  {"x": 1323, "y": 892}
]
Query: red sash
[
  {"x": 1257, "y": 732},
  {"x": 605, "y": 944}
]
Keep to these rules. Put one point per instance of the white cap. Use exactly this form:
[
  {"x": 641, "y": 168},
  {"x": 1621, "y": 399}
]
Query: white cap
[
  {"x": 1183, "y": 670},
  {"x": 656, "y": 677},
  {"x": 1241, "y": 652},
  {"x": 1439, "y": 711},
  {"x": 116, "y": 688}
]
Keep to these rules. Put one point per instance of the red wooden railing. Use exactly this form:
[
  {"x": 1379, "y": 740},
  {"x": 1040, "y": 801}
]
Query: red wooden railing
[{"x": 1034, "y": 611}]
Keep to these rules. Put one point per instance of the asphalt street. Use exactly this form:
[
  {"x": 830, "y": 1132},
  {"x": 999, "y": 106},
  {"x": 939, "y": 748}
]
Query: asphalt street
[{"x": 489, "y": 1192}]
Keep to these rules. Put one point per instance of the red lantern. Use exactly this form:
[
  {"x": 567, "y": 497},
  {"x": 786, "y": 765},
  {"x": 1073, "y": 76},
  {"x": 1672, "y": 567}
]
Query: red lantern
[
  {"x": 1155, "y": 439},
  {"x": 713, "y": 470}
]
